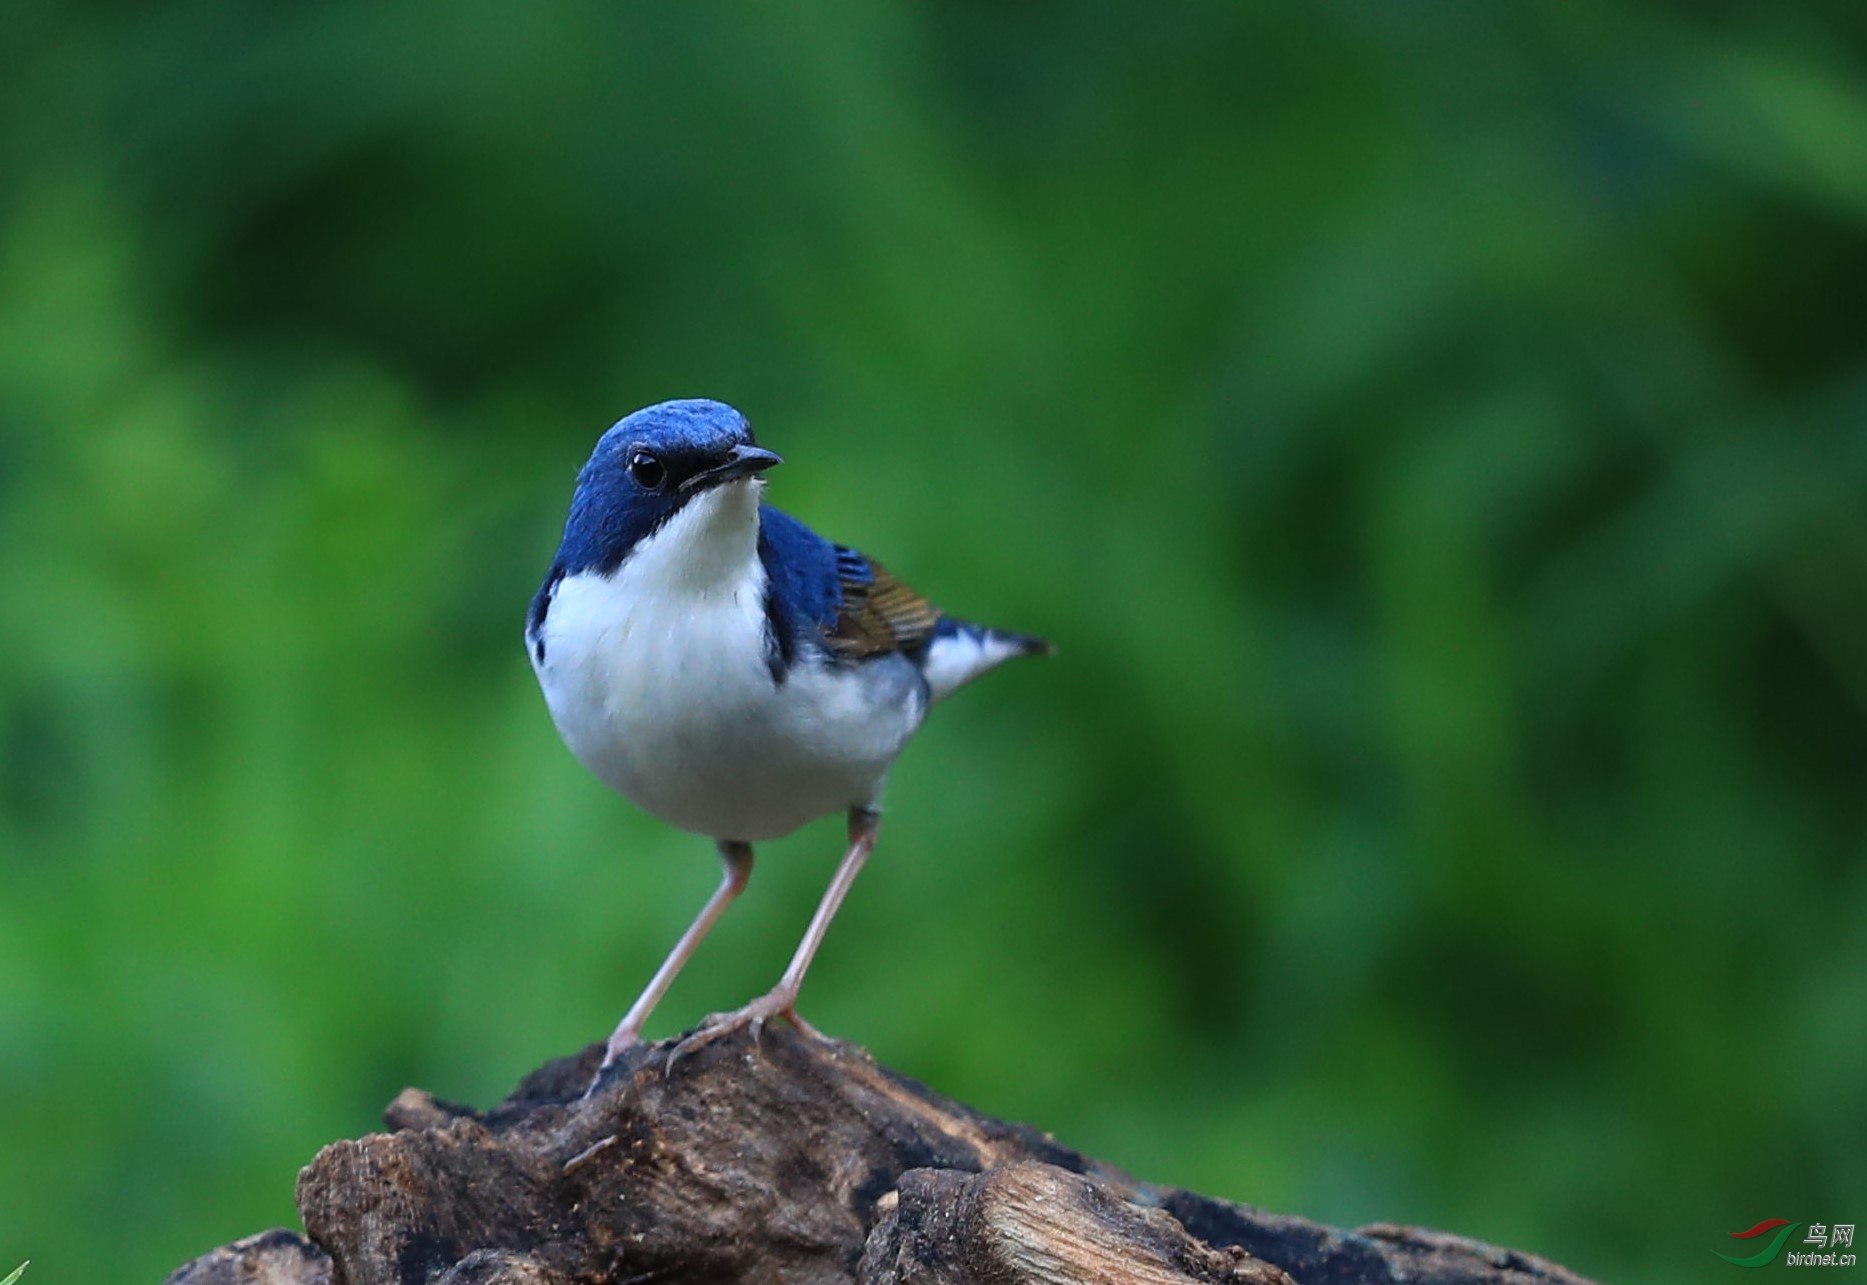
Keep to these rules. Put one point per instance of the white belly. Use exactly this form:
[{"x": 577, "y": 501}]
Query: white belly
[{"x": 661, "y": 688}]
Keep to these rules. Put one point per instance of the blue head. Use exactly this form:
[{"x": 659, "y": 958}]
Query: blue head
[{"x": 645, "y": 469}]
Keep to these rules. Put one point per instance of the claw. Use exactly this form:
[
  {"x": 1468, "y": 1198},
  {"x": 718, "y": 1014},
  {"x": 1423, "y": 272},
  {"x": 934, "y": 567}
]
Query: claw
[{"x": 753, "y": 1017}]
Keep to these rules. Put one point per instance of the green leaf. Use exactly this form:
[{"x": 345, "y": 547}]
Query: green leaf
[{"x": 16, "y": 1273}]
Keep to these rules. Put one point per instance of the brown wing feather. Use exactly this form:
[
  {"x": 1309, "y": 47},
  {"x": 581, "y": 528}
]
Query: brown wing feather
[{"x": 879, "y": 613}]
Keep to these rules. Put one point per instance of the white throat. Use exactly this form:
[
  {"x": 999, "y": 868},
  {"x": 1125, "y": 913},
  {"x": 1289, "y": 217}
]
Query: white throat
[{"x": 709, "y": 547}]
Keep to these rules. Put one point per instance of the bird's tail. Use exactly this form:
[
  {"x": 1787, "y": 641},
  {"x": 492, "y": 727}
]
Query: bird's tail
[{"x": 960, "y": 651}]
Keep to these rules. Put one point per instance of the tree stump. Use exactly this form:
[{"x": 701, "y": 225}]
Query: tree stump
[{"x": 786, "y": 1160}]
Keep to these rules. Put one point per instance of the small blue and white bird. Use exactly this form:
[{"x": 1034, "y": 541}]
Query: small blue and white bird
[{"x": 730, "y": 670}]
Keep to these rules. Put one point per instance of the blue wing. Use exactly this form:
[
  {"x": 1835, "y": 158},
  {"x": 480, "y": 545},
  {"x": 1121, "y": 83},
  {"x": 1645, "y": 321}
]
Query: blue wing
[
  {"x": 843, "y": 604},
  {"x": 834, "y": 597},
  {"x": 803, "y": 585}
]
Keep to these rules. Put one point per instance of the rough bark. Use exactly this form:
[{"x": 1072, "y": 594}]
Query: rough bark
[{"x": 782, "y": 1160}]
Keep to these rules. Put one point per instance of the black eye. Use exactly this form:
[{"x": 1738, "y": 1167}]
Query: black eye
[{"x": 646, "y": 470}]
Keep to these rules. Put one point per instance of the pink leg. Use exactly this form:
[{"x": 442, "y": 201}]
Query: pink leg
[
  {"x": 781, "y": 1000},
  {"x": 737, "y": 858}
]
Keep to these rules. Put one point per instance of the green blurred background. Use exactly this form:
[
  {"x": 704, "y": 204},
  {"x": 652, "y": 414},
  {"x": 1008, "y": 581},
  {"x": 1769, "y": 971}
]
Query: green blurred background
[{"x": 1434, "y": 434}]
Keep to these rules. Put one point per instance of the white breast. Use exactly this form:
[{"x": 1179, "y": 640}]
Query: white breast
[{"x": 656, "y": 676}]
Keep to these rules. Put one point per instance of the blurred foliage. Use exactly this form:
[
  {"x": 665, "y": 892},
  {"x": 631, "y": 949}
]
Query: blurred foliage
[{"x": 1435, "y": 435}]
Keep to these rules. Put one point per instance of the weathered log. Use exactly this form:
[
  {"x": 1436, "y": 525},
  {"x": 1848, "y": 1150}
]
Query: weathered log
[{"x": 782, "y": 1160}]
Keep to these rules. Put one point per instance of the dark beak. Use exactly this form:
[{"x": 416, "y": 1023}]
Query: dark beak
[{"x": 743, "y": 461}]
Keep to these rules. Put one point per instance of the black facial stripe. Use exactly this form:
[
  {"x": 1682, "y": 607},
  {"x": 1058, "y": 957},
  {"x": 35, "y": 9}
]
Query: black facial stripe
[{"x": 684, "y": 465}]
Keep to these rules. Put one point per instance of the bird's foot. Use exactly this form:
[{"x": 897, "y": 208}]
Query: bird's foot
[
  {"x": 781, "y": 1002},
  {"x": 620, "y": 1043},
  {"x": 625, "y": 1038}
]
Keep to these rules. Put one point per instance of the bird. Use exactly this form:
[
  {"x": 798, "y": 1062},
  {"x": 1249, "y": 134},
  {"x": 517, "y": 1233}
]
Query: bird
[{"x": 731, "y": 672}]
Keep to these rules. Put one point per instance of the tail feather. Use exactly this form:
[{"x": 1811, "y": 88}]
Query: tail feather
[{"x": 960, "y": 651}]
